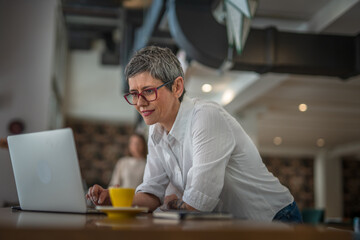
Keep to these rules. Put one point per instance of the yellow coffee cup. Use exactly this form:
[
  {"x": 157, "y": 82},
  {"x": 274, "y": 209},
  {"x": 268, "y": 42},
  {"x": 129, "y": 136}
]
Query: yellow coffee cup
[{"x": 121, "y": 197}]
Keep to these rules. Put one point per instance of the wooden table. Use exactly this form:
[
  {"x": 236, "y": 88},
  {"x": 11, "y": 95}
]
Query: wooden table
[{"x": 54, "y": 226}]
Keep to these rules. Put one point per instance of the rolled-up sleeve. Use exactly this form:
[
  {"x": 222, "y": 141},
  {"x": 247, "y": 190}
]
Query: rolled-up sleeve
[
  {"x": 155, "y": 178},
  {"x": 213, "y": 144}
]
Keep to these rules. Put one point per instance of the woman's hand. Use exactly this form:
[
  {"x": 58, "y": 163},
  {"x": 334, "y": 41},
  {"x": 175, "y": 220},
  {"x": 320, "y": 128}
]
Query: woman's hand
[
  {"x": 173, "y": 202},
  {"x": 99, "y": 195},
  {"x": 170, "y": 198}
]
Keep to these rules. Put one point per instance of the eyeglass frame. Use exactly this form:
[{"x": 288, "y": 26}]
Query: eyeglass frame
[{"x": 140, "y": 94}]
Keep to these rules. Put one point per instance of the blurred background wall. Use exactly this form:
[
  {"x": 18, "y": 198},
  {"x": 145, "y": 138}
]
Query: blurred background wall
[{"x": 27, "y": 43}]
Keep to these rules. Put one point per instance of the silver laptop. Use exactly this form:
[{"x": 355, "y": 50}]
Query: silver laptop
[{"x": 47, "y": 173}]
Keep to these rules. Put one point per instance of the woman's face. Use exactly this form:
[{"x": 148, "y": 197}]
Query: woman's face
[
  {"x": 164, "y": 109},
  {"x": 136, "y": 146}
]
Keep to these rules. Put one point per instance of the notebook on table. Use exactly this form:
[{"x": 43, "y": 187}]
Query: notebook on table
[
  {"x": 183, "y": 214},
  {"x": 47, "y": 173}
]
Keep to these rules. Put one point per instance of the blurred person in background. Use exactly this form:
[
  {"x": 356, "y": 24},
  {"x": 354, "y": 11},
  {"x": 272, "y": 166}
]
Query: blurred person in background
[
  {"x": 15, "y": 126},
  {"x": 129, "y": 170}
]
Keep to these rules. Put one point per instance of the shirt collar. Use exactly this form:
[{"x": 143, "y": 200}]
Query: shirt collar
[{"x": 157, "y": 132}]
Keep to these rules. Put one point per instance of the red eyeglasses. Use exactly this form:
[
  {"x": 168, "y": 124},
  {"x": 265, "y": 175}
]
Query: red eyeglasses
[{"x": 149, "y": 94}]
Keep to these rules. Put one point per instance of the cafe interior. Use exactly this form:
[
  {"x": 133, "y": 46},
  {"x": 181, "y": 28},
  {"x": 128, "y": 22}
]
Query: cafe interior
[{"x": 288, "y": 71}]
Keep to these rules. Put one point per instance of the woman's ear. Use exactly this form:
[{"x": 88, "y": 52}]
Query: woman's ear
[{"x": 178, "y": 87}]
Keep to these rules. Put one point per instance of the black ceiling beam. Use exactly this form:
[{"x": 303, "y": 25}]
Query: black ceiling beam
[
  {"x": 163, "y": 39},
  {"x": 91, "y": 11},
  {"x": 78, "y": 27},
  {"x": 93, "y": 3},
  {"x": 268, "y": 50},
  {"x": 195, "y": 30}
]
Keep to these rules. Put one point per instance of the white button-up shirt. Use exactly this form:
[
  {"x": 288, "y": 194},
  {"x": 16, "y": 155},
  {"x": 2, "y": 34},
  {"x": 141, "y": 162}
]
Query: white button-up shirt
[{"x": 210, "y": 159}]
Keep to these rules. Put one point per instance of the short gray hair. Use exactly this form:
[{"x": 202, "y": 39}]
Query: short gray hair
[{"x": 161, "y": 63}]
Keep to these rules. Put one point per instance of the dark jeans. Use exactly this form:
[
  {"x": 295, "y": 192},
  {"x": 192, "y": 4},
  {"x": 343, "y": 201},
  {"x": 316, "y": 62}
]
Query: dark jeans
[{"x": 289, "y": 214}]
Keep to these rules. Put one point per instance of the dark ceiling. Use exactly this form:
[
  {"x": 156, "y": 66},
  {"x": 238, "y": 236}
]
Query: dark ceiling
[
  {"x": 89, "y": 20},
  {"x": 193, "y": 27},
  {"x": 114, "y": 21}
]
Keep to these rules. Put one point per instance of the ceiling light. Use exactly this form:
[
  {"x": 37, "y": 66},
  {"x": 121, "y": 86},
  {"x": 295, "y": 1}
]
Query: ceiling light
[
  {"x": 206, "y": 88},
  {"x": 320, "y": 142},
  {"x": 302, "y": 107},
  {"x": 228, "y": 96},
  {"x": 277, "y": 141}
]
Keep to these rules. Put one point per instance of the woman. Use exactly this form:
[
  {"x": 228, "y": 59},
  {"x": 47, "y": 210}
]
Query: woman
[
  {"x": 129, "y": 170},
  {"x": 197, "y": 147}
]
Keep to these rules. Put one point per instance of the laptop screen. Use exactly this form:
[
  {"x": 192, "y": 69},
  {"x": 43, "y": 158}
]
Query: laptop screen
[{"x": 46, "y": 170}]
